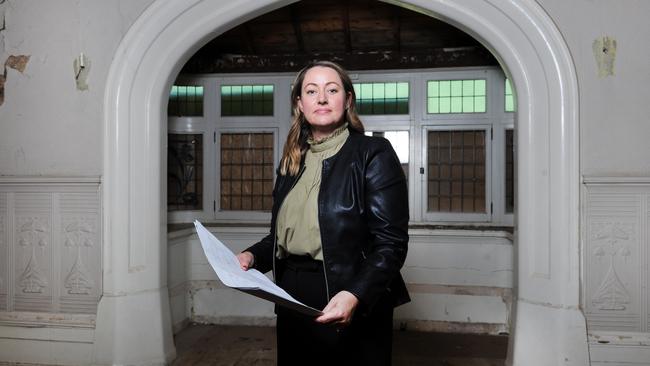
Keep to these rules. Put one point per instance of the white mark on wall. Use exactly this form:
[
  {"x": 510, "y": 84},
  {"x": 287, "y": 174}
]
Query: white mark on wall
[
  {"x": 605, "y": 53},
  {"x": 81, "y": 66}
]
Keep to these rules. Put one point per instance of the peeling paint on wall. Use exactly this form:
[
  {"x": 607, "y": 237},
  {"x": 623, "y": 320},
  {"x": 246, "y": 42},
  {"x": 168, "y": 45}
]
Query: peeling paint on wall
[
  {"x": 18, "y": 63},
  {"x": 605, "y": 53}
]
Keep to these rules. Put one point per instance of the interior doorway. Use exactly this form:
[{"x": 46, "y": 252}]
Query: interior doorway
[{"x": 168, "y": 33}]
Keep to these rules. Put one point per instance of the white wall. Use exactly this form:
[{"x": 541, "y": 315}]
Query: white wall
[
  {"x": 459, "y": 281},
  {"x": 48, "y": 126},
  {"x": 613, "y": 109}
]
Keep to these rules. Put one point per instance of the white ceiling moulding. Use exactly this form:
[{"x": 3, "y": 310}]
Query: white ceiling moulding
[{"x": 548, "y": 326}]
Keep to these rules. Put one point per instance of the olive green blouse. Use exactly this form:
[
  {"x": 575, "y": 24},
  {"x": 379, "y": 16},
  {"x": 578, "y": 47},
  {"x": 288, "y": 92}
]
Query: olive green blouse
[{"x": 298, "y": 231}]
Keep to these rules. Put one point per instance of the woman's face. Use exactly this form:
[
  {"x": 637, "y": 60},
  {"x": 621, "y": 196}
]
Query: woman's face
[{"x": 322, "y": 100}]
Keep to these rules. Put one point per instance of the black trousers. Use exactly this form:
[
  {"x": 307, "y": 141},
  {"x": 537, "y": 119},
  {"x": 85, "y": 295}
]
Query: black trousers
[{"x": 302, "y": 341}]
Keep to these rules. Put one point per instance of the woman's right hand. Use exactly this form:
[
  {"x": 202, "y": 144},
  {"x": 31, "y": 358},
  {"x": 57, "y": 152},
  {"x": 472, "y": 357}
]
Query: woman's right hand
[{"x": 245, "y": 260}]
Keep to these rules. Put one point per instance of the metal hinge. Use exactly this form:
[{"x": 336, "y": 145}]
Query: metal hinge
[
  {"x": 491, "y": 207},
  {"x": 214, "y": 205},
  {"x": 214, "y": 137},
  {"x": 421, "y": 170}
]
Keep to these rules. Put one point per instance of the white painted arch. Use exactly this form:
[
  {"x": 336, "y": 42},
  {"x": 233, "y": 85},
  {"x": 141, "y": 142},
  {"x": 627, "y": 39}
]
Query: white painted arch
[{"x": 133, "y": 320}]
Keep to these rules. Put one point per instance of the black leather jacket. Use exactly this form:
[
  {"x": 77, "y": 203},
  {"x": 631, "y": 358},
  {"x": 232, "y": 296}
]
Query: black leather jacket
[{"x": 363, "y": 217}]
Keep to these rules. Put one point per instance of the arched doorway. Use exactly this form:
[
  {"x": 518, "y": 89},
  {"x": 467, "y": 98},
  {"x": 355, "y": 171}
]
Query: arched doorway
[{"x": 548, "y": 325}]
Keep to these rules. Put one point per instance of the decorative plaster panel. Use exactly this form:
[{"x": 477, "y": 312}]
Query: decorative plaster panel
[
  {"x": 32, "y": 252},
  {"x": 50, "y": 246},
  {"x": 616, "y": 220},
  {"x": 81, "y": 255}
]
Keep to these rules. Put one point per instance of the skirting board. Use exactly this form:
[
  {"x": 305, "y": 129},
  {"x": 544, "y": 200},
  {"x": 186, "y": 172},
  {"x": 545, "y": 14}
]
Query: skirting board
[{"x": 619, "y": 348}]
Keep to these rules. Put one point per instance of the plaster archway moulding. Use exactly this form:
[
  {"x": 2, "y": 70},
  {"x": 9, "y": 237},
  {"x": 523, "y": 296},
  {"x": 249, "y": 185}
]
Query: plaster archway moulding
[{"x": 133, "y": 320}]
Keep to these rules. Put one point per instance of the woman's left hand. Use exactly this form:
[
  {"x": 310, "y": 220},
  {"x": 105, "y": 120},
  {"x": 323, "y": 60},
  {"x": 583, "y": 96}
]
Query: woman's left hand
[{"x": 340, "y": 309}]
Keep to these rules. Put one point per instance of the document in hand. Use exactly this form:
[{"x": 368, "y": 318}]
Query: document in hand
[{"x": 226, "y": 266}]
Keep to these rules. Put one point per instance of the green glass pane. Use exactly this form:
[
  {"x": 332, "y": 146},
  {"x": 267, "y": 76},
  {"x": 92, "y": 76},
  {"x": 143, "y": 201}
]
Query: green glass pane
[
  {"x": 366, "y": 91},
  {"x": 381, "y": 98},
  {"x": 445, "y": 88},
  {"x": 432, "y": 105},
  {"x": 390, "y": 107},
  {"x": 236, "y": 109},
  {"x": 378, "y": 91},
  {"x": 510, "y": 103},
  {"x": 246, "y": 100},
  {"x": 432, "y": 89},
  {"x": 378, "y": 106},
  {"x": 236, "y": 93},
  {"x": 365, "y": 108},
  {"x": 257, "y": 109},
  {"x": 357, "y": 90},
  {"x": 268, "y": 108},
  {"x": 402, "y": 90},
  {"x": 456, "y": 104},
  {"x": 445, "y": 105},
  {"x": 479, "y": 87},
  {"x": 456, "y": 88},
  {"x": 402, "y": 106},
  {"x": 509, "y": 97},
  {"x": 468, "y": 87},
  {"x": 479, "y": 104},
  {"x": 468, "y": 104},
  {"x": 391, "y": 90},
  {"x": 185, "y": 100},
  {"x": 258, "y": 92}
]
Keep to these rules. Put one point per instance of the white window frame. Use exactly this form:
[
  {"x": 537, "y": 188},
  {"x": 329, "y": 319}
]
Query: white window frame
[
  {"x": 194, "y": 125},
  {"x": 416, "y": 122}
]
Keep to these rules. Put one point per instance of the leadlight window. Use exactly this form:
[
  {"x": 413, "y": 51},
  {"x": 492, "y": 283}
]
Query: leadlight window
[
  {"x": 185, "y": 100},
  {"x": 456, "y": 167},
  {"x": 510, "y": 172},
  {"x": 456, "y": 96},
  {"x": 185, "y": 172},
  {"x": 246, "y": 171},
  {"x": 247, "y": 100},
  {"x": 382, "y": 98},
  {"x": 509, "y": 97}
]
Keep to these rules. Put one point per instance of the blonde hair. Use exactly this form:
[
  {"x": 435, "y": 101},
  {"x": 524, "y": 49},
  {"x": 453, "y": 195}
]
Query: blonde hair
[{"x": 299, "y": 132}]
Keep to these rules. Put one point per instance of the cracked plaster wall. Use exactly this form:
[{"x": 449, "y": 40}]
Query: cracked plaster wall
[{"x": 48, "y": 126}]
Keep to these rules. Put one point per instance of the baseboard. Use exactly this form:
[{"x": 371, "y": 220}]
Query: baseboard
[{"x": 619, "y": 348}]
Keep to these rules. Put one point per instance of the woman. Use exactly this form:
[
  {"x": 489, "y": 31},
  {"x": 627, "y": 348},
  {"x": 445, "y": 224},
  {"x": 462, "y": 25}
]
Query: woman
[{"x": 338, "y": 229}]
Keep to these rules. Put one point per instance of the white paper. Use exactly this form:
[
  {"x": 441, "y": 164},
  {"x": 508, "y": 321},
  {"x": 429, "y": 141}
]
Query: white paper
[{"x": 226, "y": 266}]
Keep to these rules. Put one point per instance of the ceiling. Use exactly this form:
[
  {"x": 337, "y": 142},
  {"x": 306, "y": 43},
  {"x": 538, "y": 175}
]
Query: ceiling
[{"x": 361, "y": 35}]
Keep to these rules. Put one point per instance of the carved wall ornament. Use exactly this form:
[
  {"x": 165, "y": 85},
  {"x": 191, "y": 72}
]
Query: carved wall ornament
[
  {"x": 612, "y": 294},
  {"x": 32, "y": 233},
  {"x": 78, "y": 234}
]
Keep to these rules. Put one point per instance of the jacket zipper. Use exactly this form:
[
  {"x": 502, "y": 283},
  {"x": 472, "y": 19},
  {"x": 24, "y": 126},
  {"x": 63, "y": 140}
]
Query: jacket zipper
[{"x": 275, "y": 237}]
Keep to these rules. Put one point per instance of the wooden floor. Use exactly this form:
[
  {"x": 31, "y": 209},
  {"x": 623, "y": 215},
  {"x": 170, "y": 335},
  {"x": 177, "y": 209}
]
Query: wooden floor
[{"x": 204, "y": 345}]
